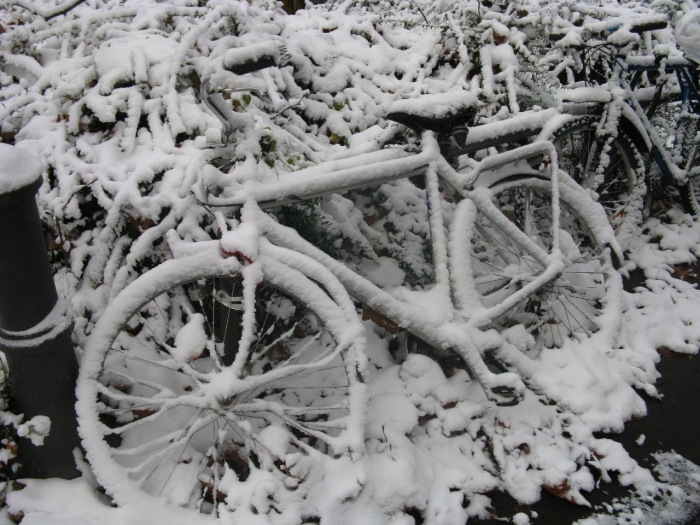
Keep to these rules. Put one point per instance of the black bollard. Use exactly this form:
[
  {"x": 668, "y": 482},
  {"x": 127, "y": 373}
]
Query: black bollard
[{"x": 35, "y": 327}]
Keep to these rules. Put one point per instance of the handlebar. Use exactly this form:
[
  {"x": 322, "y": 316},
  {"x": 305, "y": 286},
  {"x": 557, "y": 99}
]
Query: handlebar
[
  {"x": 241, "y": 61},
  {"x": 652, "y": 25},
  {"x": 255, "y": 57},
  {"x": 656, "y": 61},
  {"x": 215, "y": 103},
  {"x": 638, "y": 26}
]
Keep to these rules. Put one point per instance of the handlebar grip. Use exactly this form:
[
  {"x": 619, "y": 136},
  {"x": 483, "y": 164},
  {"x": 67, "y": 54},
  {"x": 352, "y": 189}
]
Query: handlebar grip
[
  {"x": 252, "y": 58},
  {"x": 649, "y": 26},
  {"x": 649, "y": 23},
  {"x": 554, "y": 37}
]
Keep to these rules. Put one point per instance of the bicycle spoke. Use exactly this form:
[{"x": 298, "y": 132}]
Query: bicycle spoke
[
  {"x": 514, "y": 253},
  {"x": 582, "y": 313},
  {"x": 571, "y": 294},
  {"x": 164, "y": 420},
  {"x": 560, "y": 309}
]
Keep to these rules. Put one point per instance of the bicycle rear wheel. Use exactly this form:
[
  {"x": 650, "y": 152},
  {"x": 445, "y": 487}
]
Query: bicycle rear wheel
[
  {"x": 162, "y": 415},
  {"x": 617, "y": 176},
  {"x": 573, "y": 305}
]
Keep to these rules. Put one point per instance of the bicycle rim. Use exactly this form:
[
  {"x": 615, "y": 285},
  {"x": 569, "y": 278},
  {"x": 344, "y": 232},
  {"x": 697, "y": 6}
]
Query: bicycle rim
[
  {"x": 164, "y": 412},
  {"x": 617, "y": 177}
]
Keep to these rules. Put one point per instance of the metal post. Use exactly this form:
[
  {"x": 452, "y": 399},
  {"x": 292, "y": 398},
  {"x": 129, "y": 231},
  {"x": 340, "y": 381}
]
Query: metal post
[{"x": 35, "y": 327}]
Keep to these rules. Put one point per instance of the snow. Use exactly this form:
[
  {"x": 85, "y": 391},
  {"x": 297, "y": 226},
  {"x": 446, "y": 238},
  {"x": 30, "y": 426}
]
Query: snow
[
  {"x": 36, "y": 429},
  {"x": 385, "y": 273},
  {"x": 17, "y": 168},
  {"x": 56, "y": 321},
  {"x": 145, "y": 58},
  {"x": 105, "y": 101},
  {"x": 439, "y": 105},
  {"x": 191, "y": 340},
  {"x": 251, "y": 53},
  {"x": 687, "y": 30}
]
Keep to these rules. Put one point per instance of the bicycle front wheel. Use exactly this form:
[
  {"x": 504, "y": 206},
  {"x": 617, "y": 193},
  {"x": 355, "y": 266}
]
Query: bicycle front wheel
[
  {"x": 616, "y": 175},
  {"x": 573, "y": 305},
  {"x": 202, "y": 375}
]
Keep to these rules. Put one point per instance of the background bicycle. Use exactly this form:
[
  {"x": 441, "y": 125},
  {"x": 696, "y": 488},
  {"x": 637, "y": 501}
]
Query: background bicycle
[{"x": 635, "y": 134}]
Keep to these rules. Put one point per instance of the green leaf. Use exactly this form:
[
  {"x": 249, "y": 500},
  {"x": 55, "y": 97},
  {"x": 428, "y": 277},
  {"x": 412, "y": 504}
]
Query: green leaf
[{"x": 246, "y": 98}]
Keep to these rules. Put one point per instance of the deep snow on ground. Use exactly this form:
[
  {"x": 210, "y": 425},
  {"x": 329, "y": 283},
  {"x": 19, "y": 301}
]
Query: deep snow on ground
[{"x": 122, "y": 140}]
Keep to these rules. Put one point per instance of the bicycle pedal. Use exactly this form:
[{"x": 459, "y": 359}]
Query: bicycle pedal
[
  {"x": 506, "y": 396},
  {"x": 215, "y": 138},
  {"x": 493, "y": 363}
]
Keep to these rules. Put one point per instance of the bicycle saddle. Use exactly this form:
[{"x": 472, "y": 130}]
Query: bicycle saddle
[{"x": 438, "y": 112}]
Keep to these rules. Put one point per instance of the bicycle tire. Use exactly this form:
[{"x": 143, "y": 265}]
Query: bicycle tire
[
  {"x": 578, "y": 303},
  {"x": 690, "y": 191},
  {"x": 162, "y": 418},
  {"x": 621, "y": 187}
]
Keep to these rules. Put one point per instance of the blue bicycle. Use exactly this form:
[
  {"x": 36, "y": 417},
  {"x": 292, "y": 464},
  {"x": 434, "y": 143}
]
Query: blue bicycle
[{"x": 616, "y": 140}]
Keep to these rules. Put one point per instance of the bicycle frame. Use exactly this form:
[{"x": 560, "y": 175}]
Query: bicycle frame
[
  {"x": 455, "y": 326},
  {"x": 690, "y": 100}
]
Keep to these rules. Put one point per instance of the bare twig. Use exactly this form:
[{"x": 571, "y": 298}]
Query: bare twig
[
  {"x": 62, "y": 242},
  {"x": 78, "y": 190},
  {"x": 63, "y": 9},
  {"x": 48, "y": 14},
  {"x": 423, "y": 14},
  {"x": 290, "y": 106}
]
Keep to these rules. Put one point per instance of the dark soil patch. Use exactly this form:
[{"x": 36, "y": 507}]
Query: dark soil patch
[{"x": 671, "y": 424}]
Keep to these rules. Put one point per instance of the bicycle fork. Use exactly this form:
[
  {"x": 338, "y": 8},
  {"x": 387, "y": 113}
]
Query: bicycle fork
[{"x": 505, "y": 389}]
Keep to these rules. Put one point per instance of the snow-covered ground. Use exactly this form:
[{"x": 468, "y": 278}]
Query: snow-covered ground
[
  {"x": 107, "y": 97},
  {"x": 436, "y": 445}
]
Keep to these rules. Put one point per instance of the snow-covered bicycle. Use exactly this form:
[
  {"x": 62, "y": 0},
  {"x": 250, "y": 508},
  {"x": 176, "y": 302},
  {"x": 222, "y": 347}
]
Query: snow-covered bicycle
[
  {"x": 619, "y": 130},
  {"x": 243, "y": 358}
]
